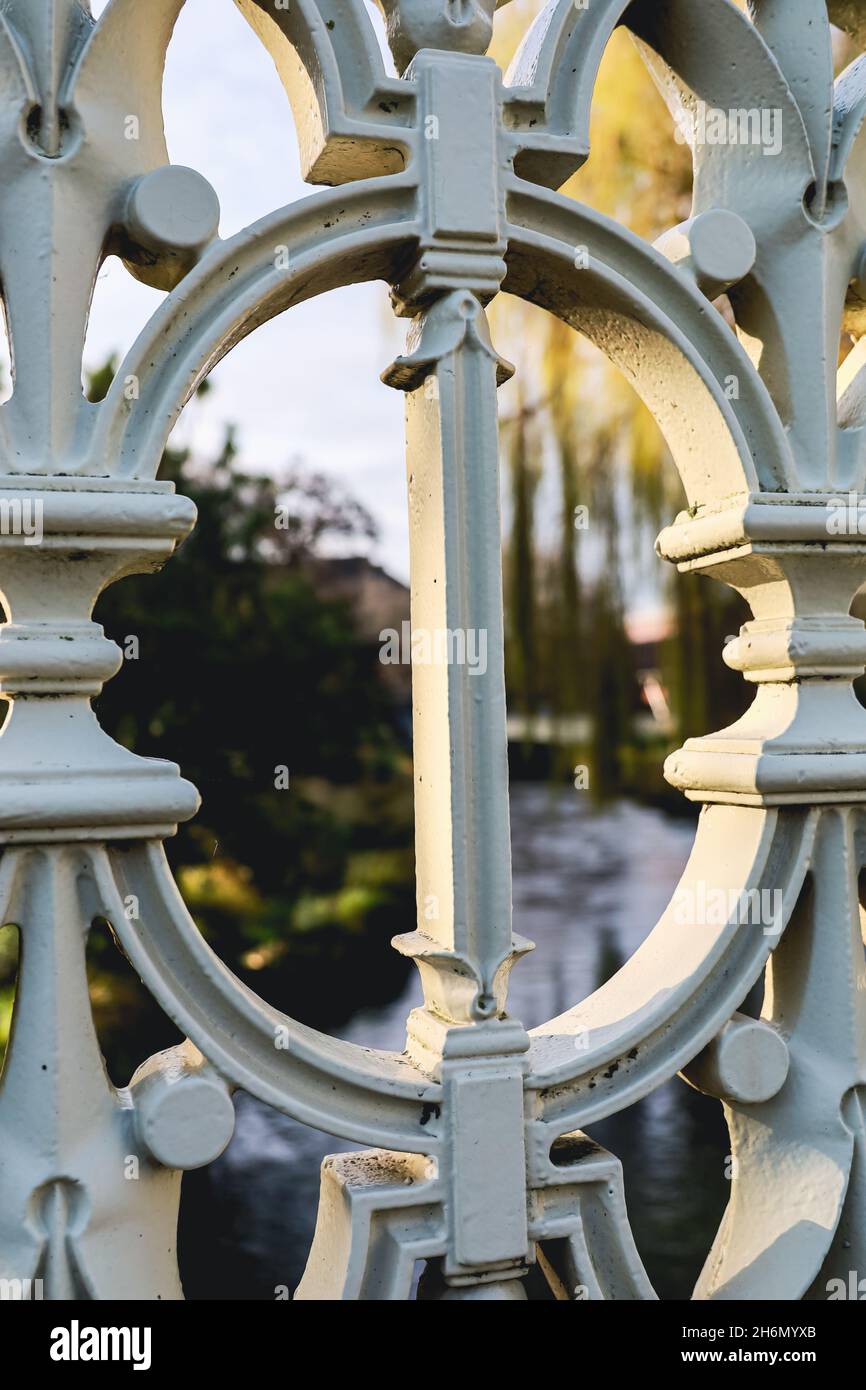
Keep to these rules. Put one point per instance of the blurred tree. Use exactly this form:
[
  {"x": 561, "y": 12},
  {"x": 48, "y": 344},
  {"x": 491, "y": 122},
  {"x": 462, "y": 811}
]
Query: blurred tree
[
  {"x": 570, "y": 691},
  {"x": 613, "y": 466},
  {"x": 299, "y": 866},
  {"x": 522, "y": 635}
]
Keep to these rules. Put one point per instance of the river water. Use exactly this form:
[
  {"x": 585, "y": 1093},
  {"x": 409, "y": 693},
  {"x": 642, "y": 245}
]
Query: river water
[{"x": 588, "y": 886}]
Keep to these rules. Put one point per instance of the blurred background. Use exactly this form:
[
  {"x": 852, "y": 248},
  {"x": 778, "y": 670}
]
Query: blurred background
[{"x": 257, "y": 650}]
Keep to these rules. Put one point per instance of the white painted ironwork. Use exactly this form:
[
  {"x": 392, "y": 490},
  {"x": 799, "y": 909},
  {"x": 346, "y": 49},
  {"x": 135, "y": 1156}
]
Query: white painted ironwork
[{"x": 446, "y": 190}]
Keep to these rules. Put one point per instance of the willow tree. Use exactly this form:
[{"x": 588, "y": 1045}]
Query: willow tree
[{"x": 614, "y": 476}]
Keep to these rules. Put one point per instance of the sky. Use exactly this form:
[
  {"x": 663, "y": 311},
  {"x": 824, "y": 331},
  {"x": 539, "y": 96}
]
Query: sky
[{"x": 304, "y": 388}]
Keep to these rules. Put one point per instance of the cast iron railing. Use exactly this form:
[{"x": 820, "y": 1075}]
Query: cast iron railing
[{"x": 445, "y": 187}]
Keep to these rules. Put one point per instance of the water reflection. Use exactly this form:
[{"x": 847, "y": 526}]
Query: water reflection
[{"x": 588, "y": 887}]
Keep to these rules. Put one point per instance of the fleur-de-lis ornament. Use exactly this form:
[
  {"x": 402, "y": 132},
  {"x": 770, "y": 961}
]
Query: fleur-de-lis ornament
[{"x": 85, "y": 170}]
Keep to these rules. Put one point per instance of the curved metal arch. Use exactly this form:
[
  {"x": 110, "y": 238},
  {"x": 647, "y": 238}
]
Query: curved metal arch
[
  {"x": 598, "y": 1058},
  {"x": 795, "y": 207},
  {"x": 780, "y": 1238},
  {"x": 687, "y": 976},
  {"x": 681, "y": 985},
  {"x": 726, "y": 445},
  {"x": 329, "y": 240},
  {"x": 236, "y": 287},
  {"x": 329, "y": 62},
  {"x": 359, "y": 1093},
  {"x": 672, "y": 996},
  {"x": 387, "y": 1101},
  {"x": 553, "y": 75}
]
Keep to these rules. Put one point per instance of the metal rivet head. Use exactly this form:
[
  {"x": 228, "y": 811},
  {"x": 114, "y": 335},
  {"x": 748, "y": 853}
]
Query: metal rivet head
[
  {"x": 722, "y": 248},
  {"x": 172, "y": 209}
]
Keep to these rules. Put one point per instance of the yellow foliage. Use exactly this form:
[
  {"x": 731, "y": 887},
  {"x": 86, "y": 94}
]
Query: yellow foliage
[
  {"x": 221, "y": 883},
  {"x": 640, "y": 176}
]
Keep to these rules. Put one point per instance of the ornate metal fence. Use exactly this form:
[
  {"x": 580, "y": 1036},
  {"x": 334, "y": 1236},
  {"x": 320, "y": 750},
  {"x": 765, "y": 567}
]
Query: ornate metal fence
[{"x": 444, "y": 186}]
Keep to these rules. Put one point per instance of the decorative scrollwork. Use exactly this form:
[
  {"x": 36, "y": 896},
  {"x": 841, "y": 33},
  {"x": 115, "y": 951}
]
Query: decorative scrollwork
[{"x": 480, "y": 1167}]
